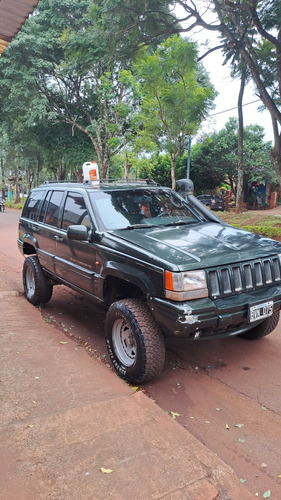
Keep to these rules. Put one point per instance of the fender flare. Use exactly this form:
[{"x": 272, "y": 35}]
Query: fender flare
[
  {"x": 132, "y": 274},
  {"x": 27, "y": 238}
]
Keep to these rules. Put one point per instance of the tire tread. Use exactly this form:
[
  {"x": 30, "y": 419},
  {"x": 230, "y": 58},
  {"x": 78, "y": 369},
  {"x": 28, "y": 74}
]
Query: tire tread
[{"x": 149, "y": 334}]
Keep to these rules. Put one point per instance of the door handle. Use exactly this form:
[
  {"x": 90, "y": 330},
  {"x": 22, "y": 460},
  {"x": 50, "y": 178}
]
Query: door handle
[{"x": 58, "y": 238}]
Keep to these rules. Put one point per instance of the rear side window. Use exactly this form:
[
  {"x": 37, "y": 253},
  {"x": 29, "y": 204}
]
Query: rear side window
[
  {"x": 51, "y": 209},
  {"x": 75, "y": 211},
  {"x": 32, "y": 205}
]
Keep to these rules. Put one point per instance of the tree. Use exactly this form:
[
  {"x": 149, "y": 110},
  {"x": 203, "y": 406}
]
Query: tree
[
  {"x": 258, "y": 45},
  {"x": 177, "y": 95},
  {"x": 3, "y": 156},
  {"x": 57, "y": 69},
  {"x": 214, "y": 159},
  {"x": 249, "y": 28},
  {"x": 122, "y": 27}
]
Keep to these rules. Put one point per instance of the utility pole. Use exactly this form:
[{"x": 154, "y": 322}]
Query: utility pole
[{"x": 188, "y": 157}]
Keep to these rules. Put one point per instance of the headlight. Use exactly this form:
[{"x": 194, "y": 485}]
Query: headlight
[{"x": 186, "y": 285}]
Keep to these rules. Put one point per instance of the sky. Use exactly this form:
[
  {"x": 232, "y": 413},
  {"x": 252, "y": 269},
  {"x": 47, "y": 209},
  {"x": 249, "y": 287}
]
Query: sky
[
  {"x": 227, "y": 87},
  {"x": 228, "y": 90}
]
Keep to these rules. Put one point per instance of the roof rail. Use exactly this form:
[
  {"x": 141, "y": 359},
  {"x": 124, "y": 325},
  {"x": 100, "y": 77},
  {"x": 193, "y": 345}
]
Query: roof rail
[{"x": 105, "y": 181}]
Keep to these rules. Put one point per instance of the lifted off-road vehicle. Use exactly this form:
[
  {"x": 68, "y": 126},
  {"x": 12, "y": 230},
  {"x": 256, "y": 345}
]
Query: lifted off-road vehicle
[{"x": 161, "y": 262}]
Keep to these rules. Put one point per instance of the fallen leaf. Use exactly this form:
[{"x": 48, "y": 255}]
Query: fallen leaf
[
  {"x": 63, "y": 343},
  {"x": 31, "y": 425},
  {"x": 243, "y": 480},
  {"x": 106, "y": 471},
  {"x": 267, "y": 494},
  {"x": 239, "y": 426},
  {"x": 134, "y": 387},
  {"x": 175, "y": 414},
  {"x": 279, "y": 475},
  {"x": 264, "y": 409}
]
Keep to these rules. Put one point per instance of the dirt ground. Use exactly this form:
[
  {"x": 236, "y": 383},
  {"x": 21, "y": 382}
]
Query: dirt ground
[{"x": 227, "y": 393}]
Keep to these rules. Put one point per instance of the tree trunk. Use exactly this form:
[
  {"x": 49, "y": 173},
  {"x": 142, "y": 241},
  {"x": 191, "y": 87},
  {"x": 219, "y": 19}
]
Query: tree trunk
[
  {"x": 240, "y": 169},
  {"x": 275, "y": 153},
  {"x": 17, "y": 200},
  {"x": 61, "y": 170},
  {"x": 173, "y": 167},
  {"x": 126, "y": 167},
  {"x": 3, "y": 177}
]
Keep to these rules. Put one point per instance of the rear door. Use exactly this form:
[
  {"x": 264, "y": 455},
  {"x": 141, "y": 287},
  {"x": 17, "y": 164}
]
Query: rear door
[{"x": 47, "y": 235}]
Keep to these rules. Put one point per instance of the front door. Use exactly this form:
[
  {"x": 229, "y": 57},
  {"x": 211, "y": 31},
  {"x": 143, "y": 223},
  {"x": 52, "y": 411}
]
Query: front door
[{"x": 75, "y": 260}]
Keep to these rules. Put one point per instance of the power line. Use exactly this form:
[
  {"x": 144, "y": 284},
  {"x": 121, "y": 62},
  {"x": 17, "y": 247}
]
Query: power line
[{"x": 236, "y": 107}]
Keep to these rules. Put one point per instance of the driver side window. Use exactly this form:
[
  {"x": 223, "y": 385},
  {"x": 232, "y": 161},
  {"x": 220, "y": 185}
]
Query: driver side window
[{"x": 75, "y": 211}]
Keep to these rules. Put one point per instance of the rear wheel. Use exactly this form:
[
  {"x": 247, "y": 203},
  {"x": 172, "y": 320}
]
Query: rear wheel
[
  {"x": 37, "y": 290},
  {"x": 263, "y": 329},
  {"x": 134, "y": 341}
]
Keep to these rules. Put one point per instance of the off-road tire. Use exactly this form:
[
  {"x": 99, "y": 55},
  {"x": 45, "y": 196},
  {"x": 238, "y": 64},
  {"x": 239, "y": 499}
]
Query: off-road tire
[
  {"x": 134, "y": 341},
  {"x": 263, "y": 329},
  {"x": 37, "y": 290}
]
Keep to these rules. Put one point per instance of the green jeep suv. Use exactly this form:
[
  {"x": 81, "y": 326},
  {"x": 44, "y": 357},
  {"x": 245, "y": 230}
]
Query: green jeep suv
[{"x": 161, "y": 262}]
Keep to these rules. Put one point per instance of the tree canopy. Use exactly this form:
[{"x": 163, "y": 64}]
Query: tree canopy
[
  {"x": 177, "y": 95},
  {"x": 105, "y": 80},
  {"x": 214, "y": 158}
]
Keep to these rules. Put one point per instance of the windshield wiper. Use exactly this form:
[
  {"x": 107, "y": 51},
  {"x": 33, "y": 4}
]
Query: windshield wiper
[
  {"x": 181, "y": 223},
  {"x": 141, "y": 226}
]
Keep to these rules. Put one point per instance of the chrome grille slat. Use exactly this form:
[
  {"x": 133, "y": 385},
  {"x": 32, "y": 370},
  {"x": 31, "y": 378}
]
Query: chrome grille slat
[{"x": 245, "y": 277}]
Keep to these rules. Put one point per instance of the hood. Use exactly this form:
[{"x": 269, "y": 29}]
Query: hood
[{"x": 196, "y": 246}]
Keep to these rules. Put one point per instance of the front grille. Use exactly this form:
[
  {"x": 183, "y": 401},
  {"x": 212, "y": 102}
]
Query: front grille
[{"x": 245, "y": 277}]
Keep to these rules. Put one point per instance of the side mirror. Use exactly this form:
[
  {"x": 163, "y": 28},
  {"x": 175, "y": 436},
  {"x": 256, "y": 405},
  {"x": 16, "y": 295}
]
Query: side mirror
[{"x": 80, "y": 233}]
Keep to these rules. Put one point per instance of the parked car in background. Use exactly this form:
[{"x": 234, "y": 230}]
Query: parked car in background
[{"x": 211, "y": 201}]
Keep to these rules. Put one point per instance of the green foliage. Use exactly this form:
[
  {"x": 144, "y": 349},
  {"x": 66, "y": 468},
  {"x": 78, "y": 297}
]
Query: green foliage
[
  {"x": 176, "y": 94},
  {"x": 70, "y": 93},
  {"x": 64, "y": 74},
  {"x": 123, "y": 26},
  {"x": 12, "y": 204},
  {"x": 214, "y": 159},
  {"x": 258, "y": 222},
  {"x": 162, "y": 169}
]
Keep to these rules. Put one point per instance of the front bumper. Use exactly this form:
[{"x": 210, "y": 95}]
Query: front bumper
[{"x": 206, "y": 318}]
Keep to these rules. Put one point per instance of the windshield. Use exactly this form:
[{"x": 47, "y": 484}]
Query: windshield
[{"x": 139, "y": 208}]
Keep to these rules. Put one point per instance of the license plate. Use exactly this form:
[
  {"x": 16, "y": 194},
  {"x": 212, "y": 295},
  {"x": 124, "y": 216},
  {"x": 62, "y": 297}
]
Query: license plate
[{"x": 260, "y": 311}]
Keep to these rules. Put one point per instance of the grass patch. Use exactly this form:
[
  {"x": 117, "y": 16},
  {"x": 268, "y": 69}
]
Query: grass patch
[
  {"x": 259, "y": 223},
  {"x": 12, "y": 204}
]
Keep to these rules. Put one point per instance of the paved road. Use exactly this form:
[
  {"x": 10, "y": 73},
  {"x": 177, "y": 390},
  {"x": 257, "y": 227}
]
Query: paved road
[{"x": 227, "y": 392}]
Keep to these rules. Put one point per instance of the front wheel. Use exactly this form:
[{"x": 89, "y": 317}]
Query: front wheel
[
  {"x": 135, "y": 343},
  {"x": 37, "y": 290},
  {"x": 263, "y": 329}
]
